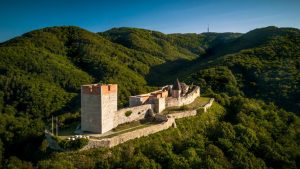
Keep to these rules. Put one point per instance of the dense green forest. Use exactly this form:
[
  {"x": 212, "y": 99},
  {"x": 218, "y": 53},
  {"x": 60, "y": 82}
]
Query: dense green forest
[
  {"x": 254, "y": 77},
  {"x": 242, "y": 133}
]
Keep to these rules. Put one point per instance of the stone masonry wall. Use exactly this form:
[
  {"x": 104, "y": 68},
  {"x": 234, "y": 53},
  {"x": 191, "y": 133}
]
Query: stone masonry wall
[
  {"x": 182, "y": 114},
  {"x": 110, "y": 142},
  {"x": 138, "y": 113},
  {"x": 136, "y": 101},
  {"x": 209, "y": 104},
  {"x": 160, "y": 104},
  {"x": 90, "y": 110},
  {"x": 189, "y": 98},
  {"x": 98, "y": 104}
]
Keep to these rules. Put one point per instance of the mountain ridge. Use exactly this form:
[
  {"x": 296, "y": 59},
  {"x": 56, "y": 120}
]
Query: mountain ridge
[{"x": 41, "y": 73}]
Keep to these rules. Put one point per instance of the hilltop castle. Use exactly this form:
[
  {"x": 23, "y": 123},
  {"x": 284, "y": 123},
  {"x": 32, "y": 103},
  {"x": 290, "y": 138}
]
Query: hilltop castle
[{"x": 99, "y": 112}]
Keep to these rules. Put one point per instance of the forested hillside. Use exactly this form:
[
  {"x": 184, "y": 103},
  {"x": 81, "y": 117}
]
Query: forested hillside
[
  {"x": 41, "y": 73},
  {"x": 262, "y": 64},
  {"x": 242, "y": 133},
  {"x": 169, "y": 47}
]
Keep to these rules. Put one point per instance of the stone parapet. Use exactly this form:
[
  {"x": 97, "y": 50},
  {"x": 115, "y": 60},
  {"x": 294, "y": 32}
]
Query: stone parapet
[
  {"x": 94, "y": 89},
  {"x": 209, "y": 104},
  {"x": 136, "y": 113},
  {"x": 187, "y": 99},
  {"x": 121, "y": 138}
]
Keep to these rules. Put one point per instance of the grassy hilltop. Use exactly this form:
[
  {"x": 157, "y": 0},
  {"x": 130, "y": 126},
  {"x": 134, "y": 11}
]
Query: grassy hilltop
[{"x": 253, "y": 76}]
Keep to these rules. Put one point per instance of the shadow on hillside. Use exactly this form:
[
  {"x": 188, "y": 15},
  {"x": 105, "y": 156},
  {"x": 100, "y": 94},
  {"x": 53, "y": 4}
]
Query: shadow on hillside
[
  {"x": 166, "y": 73},
  {"x": 71, "y": 106}
]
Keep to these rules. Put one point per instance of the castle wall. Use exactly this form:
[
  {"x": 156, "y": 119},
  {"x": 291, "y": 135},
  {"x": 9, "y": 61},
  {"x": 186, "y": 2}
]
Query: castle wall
[
  {"x": 138, "y": 113},
  {"x": 159, "y": 104},
  {"x": 116, "y": 140},
  {"x": 99, "y": 112},
  {"x": 171, "y": 102},
  {"x": 134, "y": 101},
  {"x": 137, "y": 101},
  {"x": 176, "y": 93},
  {"x": 111, "y": 142},
  {"x": 148, "y": 98},
  {"x": 187, "y": 99},
  {"x": 209, "y": 104},
  {"x": 182, "y": 114},
  {"x": 164, "y": 94}
]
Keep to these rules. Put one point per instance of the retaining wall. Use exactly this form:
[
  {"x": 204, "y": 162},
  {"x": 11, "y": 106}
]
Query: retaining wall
[
  {"x": 110, "y": 142},
  {"x": 189, "y": 98},
  {"x": 138, "y": 113},
  {"x": 182, "y": 114},
  {"x": 209, "y": 104},
  {"x": 116, "y": 140}
]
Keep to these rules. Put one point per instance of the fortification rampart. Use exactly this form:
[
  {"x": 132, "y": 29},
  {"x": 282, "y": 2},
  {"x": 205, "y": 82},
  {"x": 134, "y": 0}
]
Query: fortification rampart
[
  {"x": 182, "y": 114},
  {"x": 184, "y": 100},
  {"x": 99, "y": 112},
  {"x": 148, "y": 98},
  {"x": 133, "y": 114},
  {"x": 121, "y": 138},
  {"x": 110, "y": 142},
  {"x": 209, "y": 104}
]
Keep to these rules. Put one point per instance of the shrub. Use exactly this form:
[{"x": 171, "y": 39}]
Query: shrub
[
  {"x": 200, "y": 110},
  {"x": 128, "y": 113},
  {"x": 73, "y": 144},
  {"x": 183, "y": 107}
]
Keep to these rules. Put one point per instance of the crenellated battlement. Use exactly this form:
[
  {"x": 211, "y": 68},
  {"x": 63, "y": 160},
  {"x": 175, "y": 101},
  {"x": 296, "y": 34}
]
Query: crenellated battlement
[
  {"x": 94, "y": 89},
  {"x": 91, "y": 89},
  {"x": 109, "y": 88}
]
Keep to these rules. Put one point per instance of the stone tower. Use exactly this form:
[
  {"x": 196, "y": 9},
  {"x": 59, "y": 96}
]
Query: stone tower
[
  {"x": 98, "y": 106},
  {"x": 176, "y": 89}
]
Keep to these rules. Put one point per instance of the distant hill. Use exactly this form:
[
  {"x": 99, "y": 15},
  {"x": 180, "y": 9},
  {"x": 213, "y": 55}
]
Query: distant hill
[
  {"x": 41, "y": 73},
  {"x": 66, "y": 57},
  {"x": 167, "y": 46},
  {"x": 263, "y": 63}
]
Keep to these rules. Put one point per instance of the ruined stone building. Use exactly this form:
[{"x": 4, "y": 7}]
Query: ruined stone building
[{"x": 99, "y": 112}]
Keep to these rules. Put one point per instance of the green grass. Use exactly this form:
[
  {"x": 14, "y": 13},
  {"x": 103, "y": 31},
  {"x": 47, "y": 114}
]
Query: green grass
[
  {"x": 68, "y": 130},
  {"x": 199, "y": 102},
  {"x": 129, "y": 128},
  {"x": 126, "y": 126},
  {"x": 128, "y": 113}
]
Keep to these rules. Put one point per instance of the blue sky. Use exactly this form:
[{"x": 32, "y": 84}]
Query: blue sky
[{"x": 168, "y": 16}]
